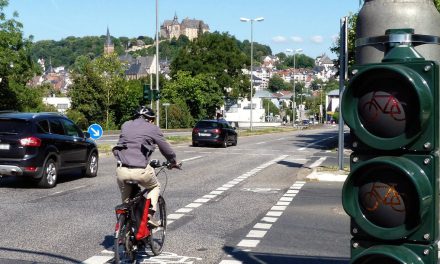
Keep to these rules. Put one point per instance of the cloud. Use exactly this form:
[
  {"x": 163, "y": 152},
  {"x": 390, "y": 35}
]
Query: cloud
[
  {"x": 317, "y": 39},
  {"x": 279, "y": 39},
  {"x": 297, "y": 39}
]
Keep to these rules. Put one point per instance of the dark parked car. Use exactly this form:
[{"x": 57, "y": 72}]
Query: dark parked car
[
  {"x": 218, "y": 132},
  {"x": 41, "y": 145}
]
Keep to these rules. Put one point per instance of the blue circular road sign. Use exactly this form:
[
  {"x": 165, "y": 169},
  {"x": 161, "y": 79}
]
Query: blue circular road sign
[{"x": 95, "y": 131}]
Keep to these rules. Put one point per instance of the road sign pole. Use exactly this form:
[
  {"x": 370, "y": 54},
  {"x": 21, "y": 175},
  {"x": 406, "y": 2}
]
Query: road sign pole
[{"x": 343, "y": 54}]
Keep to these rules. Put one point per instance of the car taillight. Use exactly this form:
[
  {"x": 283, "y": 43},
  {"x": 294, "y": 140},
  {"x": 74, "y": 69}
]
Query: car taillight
[
  {"x": 195, "y": 130},
  {"x": 30, "y": 142},
  {"x": 216, "y": 131},
  {"x": 31, "y": 169}
]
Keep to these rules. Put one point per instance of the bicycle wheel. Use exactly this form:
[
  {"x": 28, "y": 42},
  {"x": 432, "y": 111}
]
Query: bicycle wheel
[
  {"x": 157, "y": 236},
  {"x": 370, "y": 201},
  {"x": 369, "y": 112},
  {"x": 123, "y": 245}
]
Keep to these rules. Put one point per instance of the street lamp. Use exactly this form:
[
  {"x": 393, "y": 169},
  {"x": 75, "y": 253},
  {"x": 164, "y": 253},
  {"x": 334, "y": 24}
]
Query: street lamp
[
  {"x": 258, "y": 19},
  {"x": 166, "y": 114},
  {"x": 157, "y": 62},
  {"x": 294, "y": 66}
]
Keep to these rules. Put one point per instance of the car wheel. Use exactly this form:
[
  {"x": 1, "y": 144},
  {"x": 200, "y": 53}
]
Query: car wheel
[
  {"x": 91, "y": 169},
  {"x": 225, "y": 142},
  {"x": 50, "y": 174},
  {"x": 194, "y": 144}
]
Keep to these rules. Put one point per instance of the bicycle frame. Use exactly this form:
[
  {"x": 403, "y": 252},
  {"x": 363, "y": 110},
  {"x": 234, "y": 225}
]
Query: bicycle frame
[{"x": 391, "y": 198}]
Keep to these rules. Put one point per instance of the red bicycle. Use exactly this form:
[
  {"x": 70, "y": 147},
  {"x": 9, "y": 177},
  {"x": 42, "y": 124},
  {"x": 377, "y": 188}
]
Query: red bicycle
[
  {"x": 126, "y": 244},
  {"x": 390, "y": 107}
]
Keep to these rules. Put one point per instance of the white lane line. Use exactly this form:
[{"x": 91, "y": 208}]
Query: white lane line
[
  {"x": 263, "y": 226},
  {"x": 97, "y": 259},
  {"x": 193, "y": 158},
  {"x": 256, "y": 234},
  {"x": 248, "y": 243},
  {"x": 230, "y": 262},
  {"x": 184, "y": 210},
  {"x": 318, "y": 162},
  {"x": 213, "y": 194}
]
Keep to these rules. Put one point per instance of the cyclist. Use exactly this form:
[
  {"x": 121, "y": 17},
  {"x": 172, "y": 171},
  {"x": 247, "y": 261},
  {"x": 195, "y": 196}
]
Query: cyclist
[{"x": 136, "y": 144}]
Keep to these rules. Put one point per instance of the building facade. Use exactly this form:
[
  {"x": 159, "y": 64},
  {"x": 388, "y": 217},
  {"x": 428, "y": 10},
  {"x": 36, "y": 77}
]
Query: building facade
[{"x": 190, "y": 28}]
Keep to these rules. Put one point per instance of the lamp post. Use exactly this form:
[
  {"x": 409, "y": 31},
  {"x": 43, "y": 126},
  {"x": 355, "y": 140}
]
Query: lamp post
[
  {"x": 157, "y": 62},
  {"x": 166, "y": 114},
  {"x": 320, "y": 105},
  {"x": 258, "y": 19},
  {"x": 294, "y": 66}
]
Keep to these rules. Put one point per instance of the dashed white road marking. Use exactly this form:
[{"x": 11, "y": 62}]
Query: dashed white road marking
[
  {"x": 179, "y": 213},
  {"x": 193, "y": 158},
  {"x": 263, "y": 226},
  {"x": 318, "y": 162}
]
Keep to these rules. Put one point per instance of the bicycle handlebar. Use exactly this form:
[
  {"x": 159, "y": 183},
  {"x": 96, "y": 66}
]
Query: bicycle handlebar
[{"x": 157, "y": 164}]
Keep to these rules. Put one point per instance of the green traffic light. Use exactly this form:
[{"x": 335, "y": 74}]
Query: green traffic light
[
  {"x": 392, "y": 191},
  {"x": 364, "y": 252},
  {"x": 391, "y": 197},
  {"x": 389, "y": 106}
]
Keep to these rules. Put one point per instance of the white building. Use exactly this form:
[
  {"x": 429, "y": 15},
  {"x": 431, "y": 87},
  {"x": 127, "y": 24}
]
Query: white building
[
  {"x": 331, "y": 103},
  {"x": 61, "y": 103},
  {"x": 241, "y": 111}
]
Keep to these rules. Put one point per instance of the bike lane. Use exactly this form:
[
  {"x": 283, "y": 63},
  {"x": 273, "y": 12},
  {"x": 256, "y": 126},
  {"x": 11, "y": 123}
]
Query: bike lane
[{"x": 307, "y": 225}]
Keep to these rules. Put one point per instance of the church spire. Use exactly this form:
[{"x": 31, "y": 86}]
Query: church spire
[
  {"x": 109, "y": 40},
  {"x": 108, "y": 45}
]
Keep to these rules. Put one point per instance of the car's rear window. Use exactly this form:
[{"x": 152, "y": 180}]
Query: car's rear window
[
  {"x": 13, "y": 126},
  {"x": 207, "y": 124}
]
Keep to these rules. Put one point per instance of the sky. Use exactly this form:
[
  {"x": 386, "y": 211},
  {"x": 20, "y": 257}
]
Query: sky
[{"x": 310, "y": 25}]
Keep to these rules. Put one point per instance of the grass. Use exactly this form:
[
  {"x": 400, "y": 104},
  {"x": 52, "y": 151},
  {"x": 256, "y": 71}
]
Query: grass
[{"x": 333, "y": 168}]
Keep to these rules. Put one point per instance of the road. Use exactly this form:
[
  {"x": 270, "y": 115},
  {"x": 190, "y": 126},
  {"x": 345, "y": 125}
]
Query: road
[{"x": 245, "y": 204}]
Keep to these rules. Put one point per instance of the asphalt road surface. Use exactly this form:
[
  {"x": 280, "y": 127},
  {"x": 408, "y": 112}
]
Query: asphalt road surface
[{"x": 250, "y": 203}]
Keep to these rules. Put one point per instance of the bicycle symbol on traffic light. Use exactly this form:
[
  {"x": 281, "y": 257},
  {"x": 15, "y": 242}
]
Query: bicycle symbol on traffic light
[
  {"x": 384, "y": 103},
  {"x": 373, "y": 198}
]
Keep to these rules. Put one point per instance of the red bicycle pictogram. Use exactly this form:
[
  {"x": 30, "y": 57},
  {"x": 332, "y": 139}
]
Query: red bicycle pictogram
[
  {"x": 388, "y": 105},
  {"x": 392, "y": 198}
]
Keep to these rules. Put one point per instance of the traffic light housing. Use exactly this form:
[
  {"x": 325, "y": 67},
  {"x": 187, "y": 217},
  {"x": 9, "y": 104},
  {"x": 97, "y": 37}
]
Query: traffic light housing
[
  {"x": 156, "y": 95},
  {"x": 147, "y": 94},
  {"x": 392, "y": 191}
]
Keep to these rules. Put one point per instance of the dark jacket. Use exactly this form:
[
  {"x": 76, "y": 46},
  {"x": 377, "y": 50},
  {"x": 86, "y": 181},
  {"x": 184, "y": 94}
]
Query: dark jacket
[{"x": 137, "y": 142}]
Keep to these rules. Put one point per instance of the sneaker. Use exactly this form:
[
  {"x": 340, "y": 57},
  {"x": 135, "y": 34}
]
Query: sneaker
[{"x": 152, "y": 222}]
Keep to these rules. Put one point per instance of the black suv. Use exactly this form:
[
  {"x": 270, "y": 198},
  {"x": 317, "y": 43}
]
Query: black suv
[
  {"x": 218, "y": 132},
  {"x": 41, "y": 145}
]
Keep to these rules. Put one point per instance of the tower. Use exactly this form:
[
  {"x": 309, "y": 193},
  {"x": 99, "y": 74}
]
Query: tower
[{"x": 108, "y": 45}]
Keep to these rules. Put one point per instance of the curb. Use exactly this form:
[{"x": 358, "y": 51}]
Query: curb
[{"x": 327, "y": 176}]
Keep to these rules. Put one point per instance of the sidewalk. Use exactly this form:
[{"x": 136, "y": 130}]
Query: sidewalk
[{"x": 334, "y": 176}]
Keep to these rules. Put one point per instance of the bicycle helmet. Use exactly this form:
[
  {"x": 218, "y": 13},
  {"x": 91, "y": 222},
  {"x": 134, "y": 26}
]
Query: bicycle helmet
[{"x": 146, "y": 112}]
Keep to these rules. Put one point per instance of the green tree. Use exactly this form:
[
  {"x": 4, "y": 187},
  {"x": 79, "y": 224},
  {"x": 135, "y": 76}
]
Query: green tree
[
  {"x": 98, "y": 88},
  {"x": 201, "y": 93},
  {"x": 276, "y": 83},
  {"x": 179, "y": 115},
  {"x": 270, "y": 107},
  {"x": 217, "y": 55},
  {"x": 16, "y": 66}
]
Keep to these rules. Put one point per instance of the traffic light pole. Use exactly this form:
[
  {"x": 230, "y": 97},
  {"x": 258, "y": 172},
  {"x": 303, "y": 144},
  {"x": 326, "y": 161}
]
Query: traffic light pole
[{"x": 343, "y": 54}]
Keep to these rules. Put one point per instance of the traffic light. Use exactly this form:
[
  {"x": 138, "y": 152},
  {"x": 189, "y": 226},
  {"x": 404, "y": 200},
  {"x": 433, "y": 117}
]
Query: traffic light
[
  {"x": 156, "y": 95},
  {"x": 391, "y": 193},
  {"x": 147, "y": 92}
]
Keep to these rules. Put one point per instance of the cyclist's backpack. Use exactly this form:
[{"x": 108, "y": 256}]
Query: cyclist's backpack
[{"x": 141, "y": 218}]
